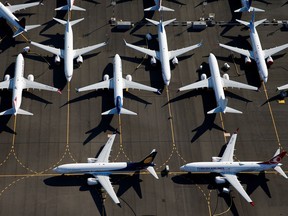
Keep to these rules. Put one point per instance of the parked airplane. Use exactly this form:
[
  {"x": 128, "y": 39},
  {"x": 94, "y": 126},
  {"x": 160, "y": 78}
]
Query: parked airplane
[
  {"x": 257, "y": 53},
  {"x": 17, "y": 84},
  {"x": 6, "y": 12},
  {"x": 101, "y": 168},
  {"x": 118, "y": 84},
  {"x": 68, "y": 53},
  {"x": 70, "y": 6},
  {"x": 163, "y": 55},
  {"x": 158, "y": 7},
  {"x": 228, "y": 168},
  {"x": 246, "y": 7},
  {"x": 217, "y": 83}
]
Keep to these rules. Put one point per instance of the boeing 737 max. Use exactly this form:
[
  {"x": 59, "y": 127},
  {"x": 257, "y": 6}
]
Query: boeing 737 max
[
  {"x": 118, "y": 83},
  {"x": 217, "y": 83},
  {"x": 163, "y": 55},
  {"x": 101, "y": 168},
  {"x": 17, "y": 84},
  {"x": 228, "y": 168},
  {"x": 68, "y": 53},
  {"x": 257, "y": 53},
  {"x": 6, "y": 12}
]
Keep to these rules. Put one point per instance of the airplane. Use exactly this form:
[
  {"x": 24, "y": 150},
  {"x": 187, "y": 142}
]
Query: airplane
[
  {"x": 70, "y": 6},
  {"x": 163, "y": 54},
  {"x": 158, "y": 7},
  {"x": 6, "y": 12},
  {"x": 246, "y": 7},
  {"x": 228, "y": 169},
  {"x": 101, "y": 168},
  {"x": 68, "y": 53},
  {"x": 17, "y": 84},
  {"x": 217, "y": 83},
  {"x": 257, "y": 53},
  {"x": 118, "y": 84}
]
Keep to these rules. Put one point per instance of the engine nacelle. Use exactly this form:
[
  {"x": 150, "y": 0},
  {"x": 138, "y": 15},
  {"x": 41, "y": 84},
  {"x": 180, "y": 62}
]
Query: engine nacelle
[
  {"x": 269, "y": 60},
  {"x": 92, "y": 181},
  {"x": 148, "y": 36},
  {"x": 106, "y": 77},
  {"x": 226, "y": 76},
  {"x": 129, "y": 77},
  {"x": 220, "y": 180},
  {"x": 7, "y": 77},
  {"x": 216, "y": 159},
  {"x": 91, "y": 160},
  {"x": 203, "y": 76},
  {"x": 26, "y": 49},
  {"x": 79, "y": 60},
  {"x": 153, "y": 61},
  {"x": 57, "y": 59},
  {"x": 225, "y": 190},
  {"x": 175, "y": 61},
  {"x": 30, "y": 77},
  {"x": 247, "y": 60}
]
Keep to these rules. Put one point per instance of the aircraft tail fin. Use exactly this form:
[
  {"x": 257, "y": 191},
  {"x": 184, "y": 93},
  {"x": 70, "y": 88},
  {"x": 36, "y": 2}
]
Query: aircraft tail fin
[
  {"x": 12, "y": 112},
  {"x": 115, "y": 111},
  {"x": 276, "y": 159},
  {"x": 148, "y": 162}
]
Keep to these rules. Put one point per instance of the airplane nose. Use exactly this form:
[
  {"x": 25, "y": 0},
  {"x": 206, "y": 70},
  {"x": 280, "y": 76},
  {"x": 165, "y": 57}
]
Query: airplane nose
[
  {"x": 55, "y": 169},
  {"x": 182, "y": 168}
]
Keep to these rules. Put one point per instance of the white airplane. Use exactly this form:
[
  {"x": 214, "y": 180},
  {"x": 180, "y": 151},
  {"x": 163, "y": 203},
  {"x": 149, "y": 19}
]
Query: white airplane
[
  {"x": 257, "y": 53},
  {"x": 158, "y": 7},
  {"x": 163, "y": 54},
  {"x": 228, "y": 168},
  {"x": 70, "y": 6},
  {"x": 118, "y": 83},
  {"x": 17, "y": 84},
  {"x": 246, "y": 7},
  {"x": 68, "y": 53},
  {"x": 6, "y": 12},
  {"x": 217, "y": 83},
  {"x": 101, "y": 168}
]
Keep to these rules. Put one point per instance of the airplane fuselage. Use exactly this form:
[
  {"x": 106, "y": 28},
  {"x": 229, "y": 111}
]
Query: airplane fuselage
[
  {"x": 68, "y": 52},
  {"x": 226, "y": 167},
  {"x": 70, "y": 3},
  {"x": 118, "y": 83},
  {"x": 9, "y": 16},
  {"x": 258, "y": 54},
  {"x": 164, "y": 54}
]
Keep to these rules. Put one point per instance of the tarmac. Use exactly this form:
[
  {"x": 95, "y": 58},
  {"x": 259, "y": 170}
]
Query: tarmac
[{"x": 69, "y": 127}]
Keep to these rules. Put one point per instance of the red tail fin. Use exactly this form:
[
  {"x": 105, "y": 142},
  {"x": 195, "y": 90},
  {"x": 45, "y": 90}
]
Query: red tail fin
[{"x": 276, "y": 159}]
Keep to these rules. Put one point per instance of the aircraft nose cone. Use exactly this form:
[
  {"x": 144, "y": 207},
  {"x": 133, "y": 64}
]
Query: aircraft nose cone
[
  {"x": 182, "y": 168},
  {"x": 55, "y": 169}
]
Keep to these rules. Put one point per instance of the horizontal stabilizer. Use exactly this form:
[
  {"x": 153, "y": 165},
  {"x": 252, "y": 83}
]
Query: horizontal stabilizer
[
  {"x": 157, "y": 8},
  {"x": 256, "y": 9},
  {"x": 12, "y": 112},
  {"x": 66, "y": 7},
  {"x": 245, "y": 9},
  {"x": 226, "y": 110},
  {"x": 18, "y": 32},
  {"x": 151, "y": 170},
  {"x": 152, "y": 21},
  {"x": 259, "y": 22},
  {"x": 243, "y": 22},
  {"x": 29, "y": 27},
  {"x": 122, "y": 111},
  {"x": 280, "y": 171}
]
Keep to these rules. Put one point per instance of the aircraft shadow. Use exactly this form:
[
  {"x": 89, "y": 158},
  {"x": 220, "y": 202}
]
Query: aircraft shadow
[{"x": 6, "y": 97}]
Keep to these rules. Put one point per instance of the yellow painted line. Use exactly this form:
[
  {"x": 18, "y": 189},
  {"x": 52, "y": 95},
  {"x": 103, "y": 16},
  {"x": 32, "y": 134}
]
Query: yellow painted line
[
  {"x": 170, "y": 117},
  {"x": 68, "y": 115},
  {"x": 14, "y": 134},
  {"x": 222, "y": 123}
]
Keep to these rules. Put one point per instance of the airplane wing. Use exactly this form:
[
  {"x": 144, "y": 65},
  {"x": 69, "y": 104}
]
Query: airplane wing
[
  {"x": 233, "y": 84},
  {"x": 101, "y": 85},
  {"x": 50, "y": 49},
  {"x": 284, "y": 87},
  {"x": 85, "y": 50},
  {"x": 36, "y": 85},
  {"x": 178, "y": 52},
  {"x": 272, "y": 51},
  {"x": 232, "y": 179},
  {"x": 206, "y": 83},
  {"x": 149, "y": 52},
  {"x": 105, "y": 153},
  {"x": 229, "y": 151},
  {"x": 238, "y": 50},
  {"x": 134, "y": 85},
  {"x": 106, "y": 184},
  {"x": 7, "y": 84},
  {"x": 18, "y": 7}
]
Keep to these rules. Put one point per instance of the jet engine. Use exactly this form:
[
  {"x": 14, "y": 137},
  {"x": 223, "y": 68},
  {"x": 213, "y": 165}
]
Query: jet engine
[
  {"x": 203, "y": 76},
  {"x": 79, "y": 60},
  {"x": 26, "y": 49},
  {"x": 220, "y": 180},
  {"x": 226, "y": 76},
  {"x": 91, "y": 160},
  {"x": 57, "y": 59},
  {"x": 148, "y": 36},
  {"x": 247, "y": 60},
  {"x": 153, "y": 61},
  {"x": 30, "y": 77},
  {"x": 269, "y": 60},
  {"x": 216, "y": 159},
  {"x": 106, "y": 77},
  {"x": 92, "y": 181},
  {"x": 225, "y": 190},
  {"x": 129, "y": 77},
  {"x": 175, "y": 61},
  {"x": 7, "y": 77}
]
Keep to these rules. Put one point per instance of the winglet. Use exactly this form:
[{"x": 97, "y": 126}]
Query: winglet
[
  {"x": 59, "y": 91},
  {"x": 252, "y": 203}
]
